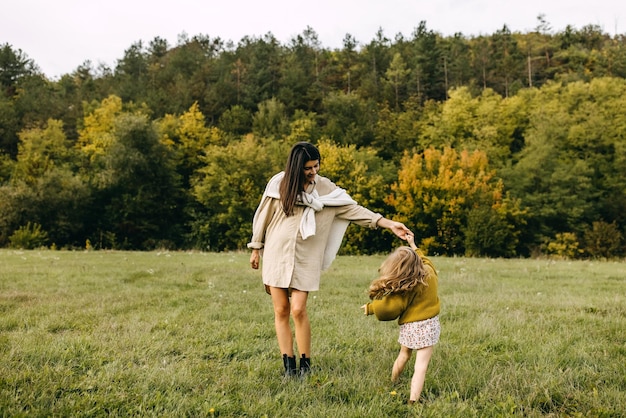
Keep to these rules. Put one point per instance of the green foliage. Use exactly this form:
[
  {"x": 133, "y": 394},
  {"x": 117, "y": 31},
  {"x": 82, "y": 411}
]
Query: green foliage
[
  {"x": 271, "y": 120},
  {"x": 509, "y": 62},
  {"x": 547, "y": 108},
  {"x": 29, "y": 237},
  {"x": 44, "y": 187},
  {"x": 487, "y": 123},
  {"x": 135, "y": 187},
  {"x": 395, "y": 132},
  {"x": 488, "y": 233},
  {"x": 603, "y": 240},
  {"x": 9, "y": 126},
  {"x": 228, "y": 188},
  {"x": 141, "y": 200},
  {"x": 16, "y": 198},
  {"x": 396, "y": 79},
  {"x": 59, "y": 201},
  {"x": 424, "y": 57},
  {"x": 236, "y": 121},
  {"x": 348, "y": 119},
  {"x": 6, "y": 167},
  {"x": 303, "y": 128},
  {"x": 567, "y": 175},
  {"x": 14, "y": 66},
  {"x": 366, "y": 177}
]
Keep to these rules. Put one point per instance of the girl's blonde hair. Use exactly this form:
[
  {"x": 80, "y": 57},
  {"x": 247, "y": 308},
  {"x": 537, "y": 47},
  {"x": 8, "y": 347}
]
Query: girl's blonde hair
[{"x": 401, "y": 272}]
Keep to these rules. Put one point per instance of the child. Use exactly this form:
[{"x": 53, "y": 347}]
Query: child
[{"x": 407, "y": 290}]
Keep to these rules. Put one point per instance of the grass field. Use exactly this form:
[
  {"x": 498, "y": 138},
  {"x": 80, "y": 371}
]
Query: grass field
[{"x": 191, "y": 334}]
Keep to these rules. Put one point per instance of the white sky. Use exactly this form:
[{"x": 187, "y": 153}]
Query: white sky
[{"x": 60, "y": 35}]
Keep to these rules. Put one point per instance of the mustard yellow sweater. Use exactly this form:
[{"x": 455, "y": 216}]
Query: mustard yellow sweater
[{"x": 419, "y": 304}]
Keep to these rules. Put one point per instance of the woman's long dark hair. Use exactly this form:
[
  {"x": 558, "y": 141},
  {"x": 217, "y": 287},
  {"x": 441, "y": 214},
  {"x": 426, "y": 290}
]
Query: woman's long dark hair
[{"x": 293, "y": 182}]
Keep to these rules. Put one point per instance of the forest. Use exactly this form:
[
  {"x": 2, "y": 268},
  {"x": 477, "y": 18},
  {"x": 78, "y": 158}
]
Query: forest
[{"x": 503, "y": 145}]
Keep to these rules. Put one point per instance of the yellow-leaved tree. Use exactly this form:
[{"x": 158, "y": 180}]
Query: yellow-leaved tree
[
  {"x": 97, "y": 136},
  {"x": 455, "y": 204},
  {"x": 189, "y": 138}
]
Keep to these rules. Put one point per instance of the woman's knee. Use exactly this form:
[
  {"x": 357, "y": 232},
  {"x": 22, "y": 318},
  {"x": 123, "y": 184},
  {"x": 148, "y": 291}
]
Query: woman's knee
[
  {"x": 282, "y": 310},
  {"x": 298, "y": 305},
  {"x": 280, "y": 300},
  {"x": 299, "y": 312}
]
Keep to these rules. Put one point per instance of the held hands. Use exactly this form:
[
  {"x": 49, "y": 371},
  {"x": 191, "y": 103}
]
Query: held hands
[
  {"x": 397, "y": 228},
  {"x": 400, "y": 230}
]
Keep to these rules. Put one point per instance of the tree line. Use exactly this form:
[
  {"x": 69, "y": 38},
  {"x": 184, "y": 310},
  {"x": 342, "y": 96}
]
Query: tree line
[{"x": 511, "y": 144}]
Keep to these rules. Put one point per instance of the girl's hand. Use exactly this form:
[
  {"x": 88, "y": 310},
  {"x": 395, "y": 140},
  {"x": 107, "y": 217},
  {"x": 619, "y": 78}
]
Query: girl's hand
[
  {"x": 364, "y": 307},
  {"x": 410, "y": 238}
]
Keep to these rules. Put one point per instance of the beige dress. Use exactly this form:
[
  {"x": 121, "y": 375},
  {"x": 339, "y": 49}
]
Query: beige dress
[{"x": 288, "y": 260}]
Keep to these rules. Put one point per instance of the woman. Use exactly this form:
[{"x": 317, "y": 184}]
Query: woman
[{"x": 299, "y": 225}]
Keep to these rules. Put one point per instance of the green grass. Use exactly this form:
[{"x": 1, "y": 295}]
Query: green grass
[{"x": 191, "y": 334}]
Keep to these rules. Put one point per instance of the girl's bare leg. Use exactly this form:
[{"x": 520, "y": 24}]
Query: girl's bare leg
[
  {"x": 282, "y": 309},
  {"x": 301, "y": 321},
  {"x": 422, "y": 358},
  {"x": 398, "y": 366}
]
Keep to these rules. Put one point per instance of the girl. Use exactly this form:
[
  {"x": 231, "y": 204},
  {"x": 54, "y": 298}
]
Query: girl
[{"x": 407, "y": 290}]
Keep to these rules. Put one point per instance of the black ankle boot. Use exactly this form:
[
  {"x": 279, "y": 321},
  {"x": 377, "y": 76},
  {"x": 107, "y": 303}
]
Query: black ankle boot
[
  {"x": 290, "y": 365},
  {"x": 305, "y": 365}
]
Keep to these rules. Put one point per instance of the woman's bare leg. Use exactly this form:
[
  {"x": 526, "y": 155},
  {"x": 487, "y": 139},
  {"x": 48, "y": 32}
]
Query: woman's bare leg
[
  {"x": 301, "y": 321},
  {"x": 282, "y": 309},
  {"x": 398, "y": 366},
  {"x": 422, "y": 358}
]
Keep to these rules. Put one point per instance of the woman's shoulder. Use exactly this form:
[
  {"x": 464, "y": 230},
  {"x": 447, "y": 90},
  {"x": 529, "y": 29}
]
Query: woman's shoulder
[{"x": 324, "y": 185}]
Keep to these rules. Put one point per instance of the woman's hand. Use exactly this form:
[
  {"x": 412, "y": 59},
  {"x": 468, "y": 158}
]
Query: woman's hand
[
  {"x": 364, "y": 307},
  {"x": 254, "y": 259},
  {"x": 397, "y": 228}
]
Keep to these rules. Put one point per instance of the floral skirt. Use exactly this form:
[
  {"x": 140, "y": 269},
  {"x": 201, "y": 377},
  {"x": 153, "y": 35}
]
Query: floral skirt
[{"x": 420, "y": 334}]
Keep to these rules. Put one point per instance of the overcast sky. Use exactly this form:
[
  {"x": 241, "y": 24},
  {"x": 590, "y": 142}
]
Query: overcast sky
[{"x": 60, "y": 35}]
